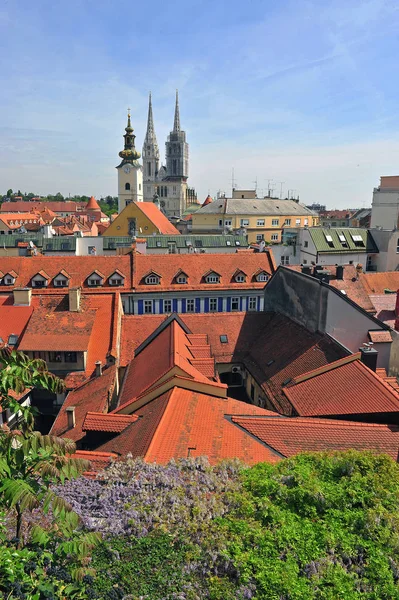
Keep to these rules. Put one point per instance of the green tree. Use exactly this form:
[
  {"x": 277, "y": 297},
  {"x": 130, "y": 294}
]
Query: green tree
[
  {"x": 9, "y": 193},
  {"x": 29, "y": 461}
]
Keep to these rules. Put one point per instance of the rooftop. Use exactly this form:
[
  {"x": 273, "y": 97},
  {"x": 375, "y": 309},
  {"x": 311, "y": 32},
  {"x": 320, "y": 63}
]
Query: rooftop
[
  {"x": 341, "y": 240},
  {"x": 255, "y": 206}
]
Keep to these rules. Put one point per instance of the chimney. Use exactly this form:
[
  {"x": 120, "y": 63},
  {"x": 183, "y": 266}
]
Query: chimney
[
  {"x": 74, "y": 299},
  {"x": 22, "y": 296},
  {"x": 306, "y": 269},
  {"x": 99, "y": 369},
  {"x": 369, "y": 357},
  {"x": 70, "y": 411},
  {"x": 340, "y": 272}
]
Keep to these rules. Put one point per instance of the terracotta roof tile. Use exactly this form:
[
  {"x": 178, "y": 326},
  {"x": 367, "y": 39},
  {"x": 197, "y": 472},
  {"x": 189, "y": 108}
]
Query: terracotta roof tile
[
  {"x": 98, "y": 460},
  {"x": 377, "y": 283},
  {"x": 380, "y": 336},
  {"x": 13, "y": 319},
  {"x": 110, "y": 422},
  {"x": 183, "y": 423},
  {"x": 157, "y": 218},
  {"x": 197, "y": 266},
  {"x": 93, "y": 396},
  {"x": 343, "y": 388},
  {"x": 289, "y": 436}
]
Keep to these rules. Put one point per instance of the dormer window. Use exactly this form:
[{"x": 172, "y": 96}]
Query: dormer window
[
  {"x": 40, "y": 280},
  {"x": 61, "y": 280},
  {"x": 262, "y": 276},
  {"x": 96, "y": 279},
  {"x": 239, "y": 277},
  {"x": 152, "y": 279},
  {"x": 212, "y": 277},
  {"x": 116, "y": 279},
  {"x": 181, "y": 277},
  {"x": 9, "y": 278}
]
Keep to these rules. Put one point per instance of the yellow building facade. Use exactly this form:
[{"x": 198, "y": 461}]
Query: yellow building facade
[{"x": 263, "y": 219}]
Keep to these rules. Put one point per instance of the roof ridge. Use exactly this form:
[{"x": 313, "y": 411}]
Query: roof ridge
[
  {"x": 326, "y": 368},
  {"x": 319, "y": 420}
]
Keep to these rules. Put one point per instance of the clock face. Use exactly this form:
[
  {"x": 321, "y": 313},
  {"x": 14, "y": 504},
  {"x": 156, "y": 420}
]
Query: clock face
[{"x": 127, "y": 169}]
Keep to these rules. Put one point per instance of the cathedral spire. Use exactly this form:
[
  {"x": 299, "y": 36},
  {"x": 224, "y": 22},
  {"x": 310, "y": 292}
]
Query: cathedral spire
[
  {"x": 150, "y": 135},
  {"x": 176, "y": 127}
]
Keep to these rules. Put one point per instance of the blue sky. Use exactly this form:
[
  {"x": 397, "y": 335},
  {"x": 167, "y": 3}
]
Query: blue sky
[{"x": 302, "y": 92}]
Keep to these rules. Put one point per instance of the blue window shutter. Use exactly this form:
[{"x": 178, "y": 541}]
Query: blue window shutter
[
  {"x": 140, "y": 307},
  {"x": 206, "y": 307},
  {"x": 228, "y": 304},
  {"x": 174, "y": 304},
  {"x": 161, "y": 306},
  {"x": 220, "y": 304},
  {"x": 197, "y": 305},
  {"x": 183, "y": 305}
]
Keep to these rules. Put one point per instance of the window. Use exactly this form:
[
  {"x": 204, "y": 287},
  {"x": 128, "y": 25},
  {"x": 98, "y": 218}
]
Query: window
[
  {"x": 251, "y": 303},
  {"x": 252, "y": 391},
  {"x": 275, "y": 222},
  {"x": 213, "y": 304},
  {"x": 306, "y": 244},
  {"x": 240, "y": 278},
  {"x": 260, "y": 223},
  {"x": 227, "y": 223},
  {"x": 70, "y": 357},
  {"x": 116, "y": 281},
  {"x": 61, "y": 282},
  {"x": 167, "y": 306},
  {"x": 94, "y": 281},
  {"x": 224, "y": 339},
  {"x": 285, "y": 260},
  {"x": 306, "y": 221},
  {"x": 213, "y": 278},
  {"x": 397, "y": 246},
  {"x": 171, "y": 247},
  {"x": 127, "y": 186},
  {"x": 274, "y": 237},
  {"x": 190, "y": 305},
  {"x": 235, "y": 304},
  {"x": 305, "y": 262},
  {"x": 297, "y": 221},
  {"x": 149, "y": 169},
  {"x": 91, "y": 250},
  {"x": 152, "y": 280},
  {"x": 12, "y": 339},
  {"x": 38, "y": 354},
  {"x": 220, "y": 222},
  {"x": 287, "y": 222},
  {"x": 244, "y": 222},
  {"x": 55, "y": 357},
  {"x": 260, "y": 237},
  {"x": 39, "y": 283},
  {"x": 182, "y": 279},
  {"x": 148, "y": 306},
  {"x": 9, "y": 280},
  {"x": 262, "y": 277}
]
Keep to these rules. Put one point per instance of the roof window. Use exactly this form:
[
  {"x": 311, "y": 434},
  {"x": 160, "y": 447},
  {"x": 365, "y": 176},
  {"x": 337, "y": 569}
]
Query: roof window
[
  {"x": 159, "y": 244},
  {"x": 228, "y": 243},
  {"x": 329, "y": 240},
  {"x": 224, "y": 339},
  {"x": 212, "y": 278},
  {"x": 12, "y": 339},
  {"x": 262, "y": 277},
  {"x": 270, "y": 362},
  {"x": 358, "y": 240},
  {"x": 152, "y": 279},
  {"x": 198, "y": 243}
]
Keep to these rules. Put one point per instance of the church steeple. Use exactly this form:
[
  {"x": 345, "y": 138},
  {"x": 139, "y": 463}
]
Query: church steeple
[
  {"x": 150, "y": 153},
  {"x": 129, "y": 153},
  {"x": 150, "y": 136},
  {"x": 176, "y": 126}
]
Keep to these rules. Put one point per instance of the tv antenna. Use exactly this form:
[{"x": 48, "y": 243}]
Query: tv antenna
[
  {"x": 233, "y": 183},
  {"x": 281, "y": 188}
]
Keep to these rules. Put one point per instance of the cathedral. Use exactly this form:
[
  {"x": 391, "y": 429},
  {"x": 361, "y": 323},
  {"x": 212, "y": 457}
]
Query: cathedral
[{"x": 166, "y": 184}]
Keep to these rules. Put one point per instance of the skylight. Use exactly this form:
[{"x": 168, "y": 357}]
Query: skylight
[
  {"x": 341, "y": 237},
  {"x": 224, "y": 339},
  {"x": 12, "y": 339},
  {"x": 357, "y": 238},
  {"x": 329, "y": 239},
  {"x": 228, "y": 243}
]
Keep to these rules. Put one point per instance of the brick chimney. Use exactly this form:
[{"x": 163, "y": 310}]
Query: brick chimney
[
  {"x": 74, "y": 299},
  {"x": 70, "y": 411},
  {"x": 99, "y": 369},
  {"x": 22, "y": 296},
  {"x": 369, "y": 357}
]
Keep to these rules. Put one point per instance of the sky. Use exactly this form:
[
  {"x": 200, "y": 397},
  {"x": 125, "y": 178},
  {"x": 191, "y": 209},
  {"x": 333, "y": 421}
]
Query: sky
[{"x": 300, "y": 92}]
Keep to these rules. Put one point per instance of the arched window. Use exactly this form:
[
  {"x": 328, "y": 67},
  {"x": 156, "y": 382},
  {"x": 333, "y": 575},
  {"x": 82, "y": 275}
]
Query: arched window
[{"x": 127, "y": 186}]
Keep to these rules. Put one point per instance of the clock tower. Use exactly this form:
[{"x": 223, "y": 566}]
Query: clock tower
[{"x": 130, "y": 171}]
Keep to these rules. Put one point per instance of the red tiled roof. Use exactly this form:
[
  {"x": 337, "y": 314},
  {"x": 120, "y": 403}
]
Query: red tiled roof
[
  {"x": 290, "y": 436},
  {"x": 107, "y": 422},
  {"x": 377, "y": 283},
  {"x": 13, "y": 319},
  {"x": 337, "y": 214},
  {"x": 93, "y": 396},
  {"x": 385, "y": 307},
  {"x": 207, "y": 200},
  {"x": 345, "y": 387},
  {"x": 378, "y": 337},
  {"x": 158, "y": 219},
  {"x": 351, "y": 284},
  {"x": 196, "y": 266},
  {"x": 92, "y": 204},
  {"x": 98, "y": 460},
  {"x": 167, "y": 354},
  {"x": 22, "y": 206},
  {"x": 17, "y": 220},
  {"x": 79, "y": 268},
  {"x": 184, "y": 423}
]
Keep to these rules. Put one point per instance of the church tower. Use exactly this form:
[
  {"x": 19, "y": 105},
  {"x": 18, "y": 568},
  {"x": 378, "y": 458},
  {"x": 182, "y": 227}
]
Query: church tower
[
  {"x": 130, "y": 172},
  {"x": 150, "y": 157},
  {"x": 177, "y": 148}
]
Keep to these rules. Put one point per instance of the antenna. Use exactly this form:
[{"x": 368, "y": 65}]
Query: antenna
[
  {"x": 256, "y": 183},
  {"x": 269, "y": 189},
  {"x": 281, "y": 188}
]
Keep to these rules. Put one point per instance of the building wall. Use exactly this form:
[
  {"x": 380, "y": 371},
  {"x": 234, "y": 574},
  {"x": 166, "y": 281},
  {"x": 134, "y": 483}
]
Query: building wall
[
  {"x": 79, "y": 365},
  {"x": 309, "y": 254},
  {"x": 321, "y": 308},
  {"x": 120, "y": 227},
  {"x": 385, "y": 209},
  {"x": 135, "y": 303},
  {"x": 270, "y": 231},
  {"x": 387, "y": 258}
]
